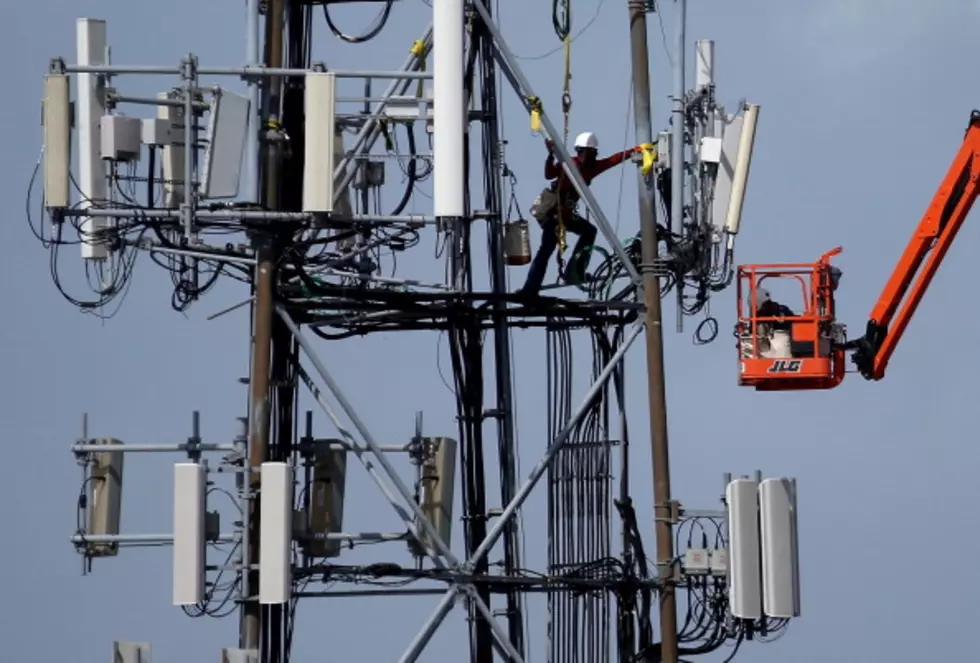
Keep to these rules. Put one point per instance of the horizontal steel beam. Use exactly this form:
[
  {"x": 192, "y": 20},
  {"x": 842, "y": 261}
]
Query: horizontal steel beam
[
  {"x": 231, "y": 538},
  {"x": 150, "y": 448},
  {"x": 244, "y": 72},
  {"x": 354, "y": 536},
  {"x": 340, "y": 593},
  {"x": 251, "y": 215},
  {"x": 142, "y": 538},
  {"x": 702, "y": 513}
]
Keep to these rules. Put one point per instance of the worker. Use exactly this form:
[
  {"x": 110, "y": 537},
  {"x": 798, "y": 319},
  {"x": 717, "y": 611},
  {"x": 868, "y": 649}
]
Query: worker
[
  {"x": 590, "y": 166},
  {"x": 774, "y": 336},
  {"x": 835, "y": 274},
  {"x": 822, "y": 308},
  {"x": 767, "y": 307}
]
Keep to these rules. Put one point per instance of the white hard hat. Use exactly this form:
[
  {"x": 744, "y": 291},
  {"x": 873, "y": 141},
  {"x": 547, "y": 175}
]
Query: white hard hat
[
  {"x": 762, "y": 297},
  {"x": 587, "y": 139}
]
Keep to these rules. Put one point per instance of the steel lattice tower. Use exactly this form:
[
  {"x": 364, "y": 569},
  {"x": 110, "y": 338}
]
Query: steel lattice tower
[{"x": 306, "y": 247}]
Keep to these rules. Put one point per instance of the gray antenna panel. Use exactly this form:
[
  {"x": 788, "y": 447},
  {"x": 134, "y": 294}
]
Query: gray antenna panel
[
  {"x": 745, "y": 582},
  {"x": 780, "y": 548},
  {"x": 227, "y": 129}
]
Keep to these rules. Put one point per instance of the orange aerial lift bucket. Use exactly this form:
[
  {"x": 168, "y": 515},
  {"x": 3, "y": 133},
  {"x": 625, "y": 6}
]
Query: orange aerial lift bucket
[
  {"x": 799, "y": 346},
  {"x": 806, "y": 350}
]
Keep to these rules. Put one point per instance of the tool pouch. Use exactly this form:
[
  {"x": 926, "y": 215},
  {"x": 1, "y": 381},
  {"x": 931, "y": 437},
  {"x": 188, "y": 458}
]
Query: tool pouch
[{"x": 544, "y": 204}]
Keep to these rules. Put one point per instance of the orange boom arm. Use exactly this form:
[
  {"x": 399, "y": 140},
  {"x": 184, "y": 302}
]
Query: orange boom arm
[{"x": 918, "y": 265}]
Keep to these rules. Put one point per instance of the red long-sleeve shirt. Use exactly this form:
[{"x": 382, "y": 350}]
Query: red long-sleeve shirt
[{"x": 566, "y": 189}]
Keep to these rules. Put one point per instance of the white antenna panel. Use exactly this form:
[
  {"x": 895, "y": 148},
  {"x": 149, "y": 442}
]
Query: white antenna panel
[
  {"x": 325, "y": 511},
  {"x": 437, "y": 487},
  {"x": 704, "y": 61},
  {"x": 780, "y": 548},
  {"x": 744, "y": 581},
  {"x": 92, "y": 51},
  {"x": 57, "y": 141},
  {"x": 730, "y": 130},
  {"x": 105, "y": 497},
  {"x": 227, "y": 130},
  {"x": 190, "y": 488},
  {"x": 276, "y": 533},
  {"x": 173, "y": 153},
  {"x": 743, "y": 164},
  {"x": 320, "y": 141},
  {"x": 449, "y": 107}
]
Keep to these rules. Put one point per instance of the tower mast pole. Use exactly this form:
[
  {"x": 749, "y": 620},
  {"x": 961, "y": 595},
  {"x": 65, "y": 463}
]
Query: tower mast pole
[{"x": 656, "y": 386}]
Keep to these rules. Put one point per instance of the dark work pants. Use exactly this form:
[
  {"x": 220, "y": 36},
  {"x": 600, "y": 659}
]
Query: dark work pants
[{"x": 549, "y": 242}]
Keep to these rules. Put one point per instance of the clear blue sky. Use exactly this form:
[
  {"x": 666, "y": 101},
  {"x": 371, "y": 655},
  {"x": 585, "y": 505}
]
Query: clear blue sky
[{"x": 863, "y": 105}]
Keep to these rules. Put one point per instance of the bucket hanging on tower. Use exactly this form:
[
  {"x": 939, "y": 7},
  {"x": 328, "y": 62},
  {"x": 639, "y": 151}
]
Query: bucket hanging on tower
[{"x": 517, "y": 243}]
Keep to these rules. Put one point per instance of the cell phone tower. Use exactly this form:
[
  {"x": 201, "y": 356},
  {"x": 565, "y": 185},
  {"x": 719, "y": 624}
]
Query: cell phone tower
[{"x": 306, "y": 236}]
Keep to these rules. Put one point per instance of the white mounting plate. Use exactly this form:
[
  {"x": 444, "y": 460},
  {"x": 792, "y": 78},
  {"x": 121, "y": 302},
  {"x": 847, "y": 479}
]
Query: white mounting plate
[
  {"x": 131, "y": 652},
  {"x": 239, "y": 656}
]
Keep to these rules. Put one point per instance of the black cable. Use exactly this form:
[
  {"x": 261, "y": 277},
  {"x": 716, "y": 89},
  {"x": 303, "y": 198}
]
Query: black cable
[
  {"x": 702, "y": 337},
  {"x": 561, "y": 18},
  {"x": 738, "y": 643},
  {"x": 578, "y": 503},
  {"x": 378, "y": 25},
  {"x": 411, "y": 169}
]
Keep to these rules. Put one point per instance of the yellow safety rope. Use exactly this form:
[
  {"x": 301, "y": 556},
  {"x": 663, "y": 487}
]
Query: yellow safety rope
[
  {"x": 418, "y": 50},
  {"x": 535, "y": 105},
  {"x": 566, "y": 107}
]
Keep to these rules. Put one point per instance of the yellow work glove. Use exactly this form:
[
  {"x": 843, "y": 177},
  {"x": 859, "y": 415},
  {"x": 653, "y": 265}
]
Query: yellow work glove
[{"x": 649, "y": 151}]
